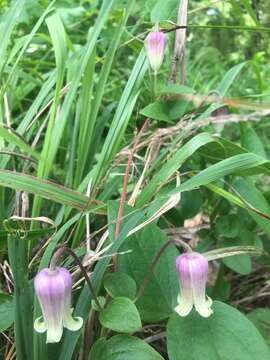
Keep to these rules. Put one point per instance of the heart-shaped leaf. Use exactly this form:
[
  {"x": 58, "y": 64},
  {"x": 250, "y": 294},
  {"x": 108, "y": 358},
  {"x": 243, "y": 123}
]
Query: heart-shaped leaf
[{"x": 226, "y": 335}]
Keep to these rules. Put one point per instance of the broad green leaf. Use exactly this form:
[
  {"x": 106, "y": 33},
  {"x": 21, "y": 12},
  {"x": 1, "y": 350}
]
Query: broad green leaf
[
  {"x": 252, "y": 142},
  {"x": 7, "y": 308},
  {"x": 261, "y": 319},
  {"x": 159, "y": 297},
  {"x": 226, "y": 335},
  {"x": 249, "y": 192},
  {"x": 241, "y": 264},
  {"x": 164, "y": 10},
  {"x": 123, "y": 347},
  {"x": 102, "y": 302},
  {"x": 228, "y": 226},
  {"x": 165, "y": 110},
  {"x": 120, "y": 284},
  {"x": 121, "y": 315},
  {"x": 176, "y": 89}
]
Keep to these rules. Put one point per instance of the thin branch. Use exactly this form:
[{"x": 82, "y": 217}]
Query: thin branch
[
  {"x": 125, "y": 182},
  {"x": 180, "y": 40}
]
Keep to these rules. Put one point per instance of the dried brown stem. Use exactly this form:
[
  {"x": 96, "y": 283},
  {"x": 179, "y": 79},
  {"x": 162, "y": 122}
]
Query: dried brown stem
[
  {"x": 125, "y": 182},
  {"x": 180, "y": 40}
]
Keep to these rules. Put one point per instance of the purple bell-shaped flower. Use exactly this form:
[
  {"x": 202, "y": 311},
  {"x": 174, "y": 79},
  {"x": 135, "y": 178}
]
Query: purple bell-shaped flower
[
  {"x": 155, "y": 44},
  {"x": 53, "y": 289},
  {"x": 192, "y": 269}
]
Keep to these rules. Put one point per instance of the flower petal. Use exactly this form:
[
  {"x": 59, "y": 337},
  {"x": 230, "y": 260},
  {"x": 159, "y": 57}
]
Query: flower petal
[
  {"x": 204, "y": 307},
  {"x": 72, "y": 323},
  {"x": 54, "y": 333},
  {"x": 39, "y": 325},
  {"x": 184, "y": 306}
]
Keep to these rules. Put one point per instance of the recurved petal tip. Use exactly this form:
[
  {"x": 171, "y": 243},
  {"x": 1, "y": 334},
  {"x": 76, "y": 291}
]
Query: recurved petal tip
[{"x": 39, "y": 325}]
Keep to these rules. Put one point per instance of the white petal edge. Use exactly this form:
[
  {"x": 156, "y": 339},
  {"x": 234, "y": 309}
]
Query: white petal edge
[
  {"x": 204, "y": 307},
  {"x": 39, "y": 325},
  {"x": 72, "y": 323},
  {"x": 184, "y": 307},
  {"x": 54, "y": 334}
]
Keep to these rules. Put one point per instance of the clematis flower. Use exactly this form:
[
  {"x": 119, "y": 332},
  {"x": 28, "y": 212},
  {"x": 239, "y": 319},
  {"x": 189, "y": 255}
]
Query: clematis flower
[
  {"x": 155, "y": 44},
  {"x": 192, "y": 269},
  {"x": 53, "y": 289}
]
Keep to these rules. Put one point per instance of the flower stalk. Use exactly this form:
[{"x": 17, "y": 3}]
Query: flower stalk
[{"x": 155, "y": 262}]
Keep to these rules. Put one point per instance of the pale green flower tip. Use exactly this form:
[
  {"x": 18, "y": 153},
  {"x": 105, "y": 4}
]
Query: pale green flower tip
[
  {"x": 182, "y": 311},
  {"x": 73, "y": 323},
  {"x": 39, "y": 325},
  {"x": 204, "y": 308},
  {"x": 54, "y": 335}
]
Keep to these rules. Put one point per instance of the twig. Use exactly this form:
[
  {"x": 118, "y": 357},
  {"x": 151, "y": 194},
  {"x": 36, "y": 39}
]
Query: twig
[
  {"x": 180, "y": 39},
  {"x": 155, "y": 337},
  {"x": 125, "y": 181}
]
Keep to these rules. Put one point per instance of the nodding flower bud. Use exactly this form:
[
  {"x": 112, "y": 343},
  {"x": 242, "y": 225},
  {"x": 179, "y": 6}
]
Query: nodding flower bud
[
  {"x": 53, "y": 289},
  {"x": 192, "y": 269},
  {"x": 155, "y": 44}
]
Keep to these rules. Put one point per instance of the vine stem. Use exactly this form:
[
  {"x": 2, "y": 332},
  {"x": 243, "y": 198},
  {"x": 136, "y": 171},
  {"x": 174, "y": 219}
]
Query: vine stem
[
  {"x": 53, "y": 265},
  {"x": 155, "y": 262},
  {"x": 125, "y": 183}
]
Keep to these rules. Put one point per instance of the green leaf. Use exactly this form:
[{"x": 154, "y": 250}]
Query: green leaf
[
  {"x": 9, "y": 21},
  {"x": 176, "y": 89},
  {"x": 120, "y": 284},
  {"x": 121, "y": 315},
  {"x": 164, "y": 10},
  {"x": 18, "y": 257},
  {"x": 236, "y": 164},
  {"x": 223, "y": 87},
  {"x": 228, "y": 226},
  {"x": 83, "y": 304},
  {"x": 173, "y": 164},
  {"x": 241, "y": 263},
  {"x": 261, "y": 319},
  {"x": 102, "y": 301},
  {"x": 120, "y": 121},
  {"x": 18, "y": 141},
  {"x": 251, "y": 141},
  {"x": 53, "y": 134},
  {"x": 88, "y": 123},
  {"x": 123, "y": 347},
  {"x": 249, "y": 192},
  {"x": 165, "y": 110},
  {"x": 43, "y": 188},
  {"x": 7, "y": 309},
  {"x": 226, "y": 335},
  {"x": 159, "y": 297}
]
